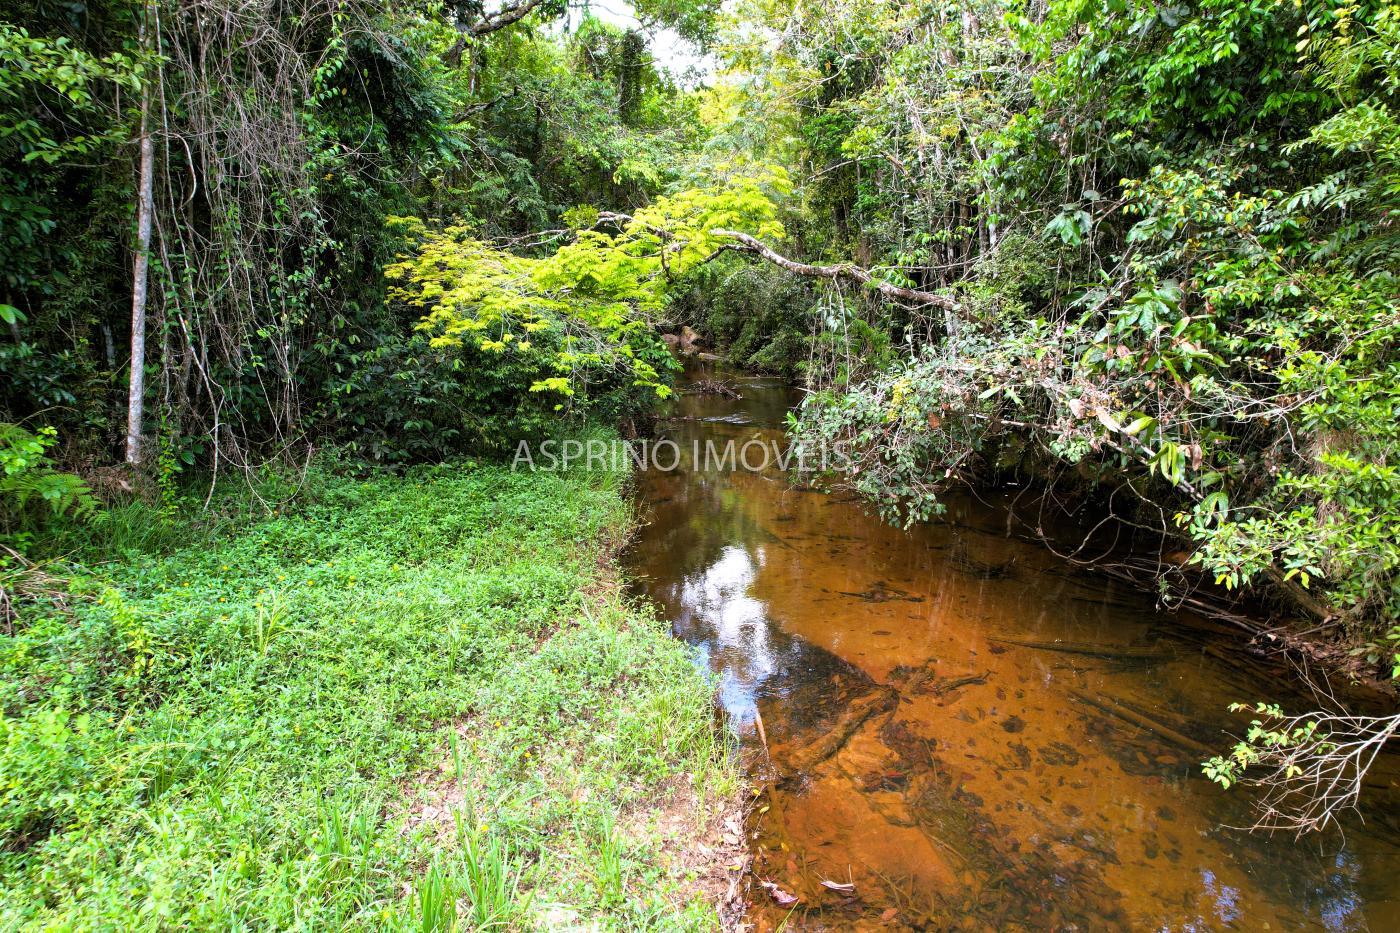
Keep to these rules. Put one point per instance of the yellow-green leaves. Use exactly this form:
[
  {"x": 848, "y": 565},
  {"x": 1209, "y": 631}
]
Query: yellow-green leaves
[{"x": 594, "y": 296}]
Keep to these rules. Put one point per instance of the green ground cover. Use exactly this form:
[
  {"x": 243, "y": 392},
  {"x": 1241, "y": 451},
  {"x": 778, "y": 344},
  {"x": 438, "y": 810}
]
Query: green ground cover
[{"x": 404, "y": 702}]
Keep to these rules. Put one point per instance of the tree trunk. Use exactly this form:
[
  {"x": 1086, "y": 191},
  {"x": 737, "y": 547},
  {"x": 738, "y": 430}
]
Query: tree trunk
[{"x": 140, "y": 278}]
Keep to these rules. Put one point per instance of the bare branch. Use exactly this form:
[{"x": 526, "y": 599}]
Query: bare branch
[
  {"x": 488, "y": 104},
  {"x": 510, "y": 13},
  {"x": 1308, "y": 784},
  {"x": 749, "y": 244}
]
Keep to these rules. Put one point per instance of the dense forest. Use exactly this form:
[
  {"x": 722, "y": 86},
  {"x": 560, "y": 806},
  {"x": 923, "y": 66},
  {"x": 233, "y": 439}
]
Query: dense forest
[{"x": 285, "y": 283}]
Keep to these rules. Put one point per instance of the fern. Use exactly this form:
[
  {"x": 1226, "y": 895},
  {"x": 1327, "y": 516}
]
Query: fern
[{"x": 29, "y": 483}]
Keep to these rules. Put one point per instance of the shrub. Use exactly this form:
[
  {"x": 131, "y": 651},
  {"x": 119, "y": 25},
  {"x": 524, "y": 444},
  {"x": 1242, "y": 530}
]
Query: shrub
[{"x": 30, "y": 488}]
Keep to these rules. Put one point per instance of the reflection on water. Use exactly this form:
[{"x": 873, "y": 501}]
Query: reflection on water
[{"x": 964, "y": 732}]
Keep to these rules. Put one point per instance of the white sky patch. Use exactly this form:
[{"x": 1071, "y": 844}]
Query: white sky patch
[{"x": 670, "y": 51}]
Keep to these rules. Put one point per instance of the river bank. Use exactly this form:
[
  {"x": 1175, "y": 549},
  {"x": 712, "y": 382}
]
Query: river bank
[{"x": 402, "y": 702}]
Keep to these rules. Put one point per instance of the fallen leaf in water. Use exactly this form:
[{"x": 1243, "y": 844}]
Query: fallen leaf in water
[
  {"x": 841, "y": 886},
  {"x": 889, "y": 914},
  {"x": 781, "y": 897}
]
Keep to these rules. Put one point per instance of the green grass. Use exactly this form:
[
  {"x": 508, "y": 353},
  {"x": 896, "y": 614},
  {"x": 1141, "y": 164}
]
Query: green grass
[{"x": 411, "y": 702}]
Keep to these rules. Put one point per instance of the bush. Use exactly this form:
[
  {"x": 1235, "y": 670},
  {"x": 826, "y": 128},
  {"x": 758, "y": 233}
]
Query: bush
[
  {"x": 407, "y": 402},
  {"x": 31, "y": 490}
]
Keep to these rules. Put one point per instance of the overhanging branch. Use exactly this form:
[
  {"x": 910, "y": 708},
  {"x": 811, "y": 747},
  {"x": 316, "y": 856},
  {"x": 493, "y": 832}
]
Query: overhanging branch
[
  {"x": 748, "y": 244},
  {"x": 744, "y": 243},
  {"x": 510, "y": 13}
]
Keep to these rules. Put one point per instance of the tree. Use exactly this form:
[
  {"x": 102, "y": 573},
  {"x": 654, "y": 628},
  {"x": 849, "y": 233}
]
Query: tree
[{"x": 145, "y": 208}]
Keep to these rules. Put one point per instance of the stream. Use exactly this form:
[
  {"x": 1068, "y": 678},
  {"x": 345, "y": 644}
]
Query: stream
[{"x": 953, "y": 728}]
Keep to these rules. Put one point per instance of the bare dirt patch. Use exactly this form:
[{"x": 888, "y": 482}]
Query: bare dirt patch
[{"x": 703, "y": 844}]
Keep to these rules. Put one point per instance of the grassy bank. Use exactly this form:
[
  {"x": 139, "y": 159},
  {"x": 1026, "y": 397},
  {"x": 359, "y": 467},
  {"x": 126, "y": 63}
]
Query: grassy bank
[{"x": 415, "y": 702}]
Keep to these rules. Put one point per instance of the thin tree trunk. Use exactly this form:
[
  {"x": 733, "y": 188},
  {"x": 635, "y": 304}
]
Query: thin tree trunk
[{"x": 140, "y": 281}]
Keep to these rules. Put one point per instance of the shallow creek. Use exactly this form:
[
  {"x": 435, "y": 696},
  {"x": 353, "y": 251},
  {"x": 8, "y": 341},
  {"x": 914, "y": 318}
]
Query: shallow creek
[{"x": 964, "y": 731}]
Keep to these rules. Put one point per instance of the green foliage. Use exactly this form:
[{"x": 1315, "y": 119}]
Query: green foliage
[
  {"x": 248, "y": 729},
  {"x": 1261, "y": 740},
  {"x": 286, "y": 140},
  {"x": 47, "y": 764},
  {"x": 491, "y": 881},
  {"x": 760, "y": 316},
  {"x": 695, "y": 21},
  {"x": 61, "y": 130},
  {"x": 916, "y": 425},
  {"x": 591, "y": 304},
  {"x": 56, "y": 108},
  {"x": 30, "y": 488},
  {"x": 1169, "y": 232}
]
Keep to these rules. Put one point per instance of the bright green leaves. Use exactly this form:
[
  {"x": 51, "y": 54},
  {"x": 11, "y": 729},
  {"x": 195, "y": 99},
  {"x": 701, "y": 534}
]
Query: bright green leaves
[
  {"x": 677, "y": 233},
  {"x": 1071, "y": 225},
  {"x": 59, "y": 108},
  {"x": 1267, "y": 739},
  {"x": 553, "y": 384},
  {"x": 1139, "y": 425},
  {"x": 593, "y": 301},
  {"x": 64, "y": 78}
]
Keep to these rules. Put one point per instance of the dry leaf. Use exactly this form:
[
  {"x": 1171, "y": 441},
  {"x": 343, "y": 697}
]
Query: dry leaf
[{"x": 781, "y": 897}]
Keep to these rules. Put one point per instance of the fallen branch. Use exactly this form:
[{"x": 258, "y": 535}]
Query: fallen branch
[
  {"x": 1089, "y": 649},
  {"x": 1133, "y": 717},
  {"x": 856, "y": 714},
  {"x": 712, "y": 387},
  {"x": 941, "y": 688},
  {"x": 1314, "y": 765},
  {"x": 744, "y": 243}
]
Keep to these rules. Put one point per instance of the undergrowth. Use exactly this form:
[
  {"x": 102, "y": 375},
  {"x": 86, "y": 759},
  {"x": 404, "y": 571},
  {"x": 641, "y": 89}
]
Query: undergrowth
[{"x": 408, "y": 702}]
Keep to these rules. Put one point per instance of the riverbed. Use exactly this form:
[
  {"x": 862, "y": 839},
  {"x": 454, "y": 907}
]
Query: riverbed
[{"x": 951, "y": 727}]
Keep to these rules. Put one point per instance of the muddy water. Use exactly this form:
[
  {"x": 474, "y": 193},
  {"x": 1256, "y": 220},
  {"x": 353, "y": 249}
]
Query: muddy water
[{"x": 961, "y": 731}]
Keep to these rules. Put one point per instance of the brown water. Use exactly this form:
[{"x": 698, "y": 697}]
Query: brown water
[{"x": 966, "y": 731}]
